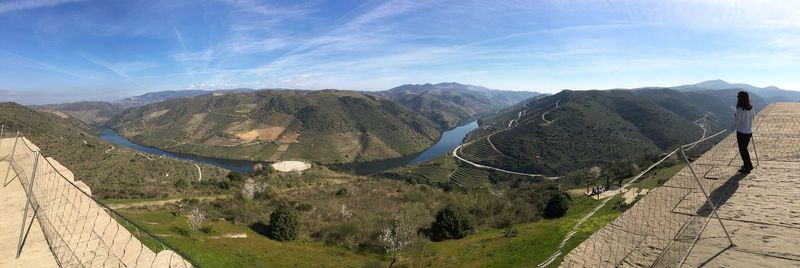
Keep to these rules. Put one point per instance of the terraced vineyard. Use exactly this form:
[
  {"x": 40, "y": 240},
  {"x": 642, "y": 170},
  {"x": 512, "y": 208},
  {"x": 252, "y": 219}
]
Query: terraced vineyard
[
  {"x": 484, "y": 150},
  {"x": 470, "y": 177}
]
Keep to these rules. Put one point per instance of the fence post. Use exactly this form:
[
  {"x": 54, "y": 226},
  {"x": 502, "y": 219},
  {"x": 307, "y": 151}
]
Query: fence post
[
  {"x": 11, "y": 160},
  {"x": 28, "y": 201},
  {"x": 710, "y": 203}
]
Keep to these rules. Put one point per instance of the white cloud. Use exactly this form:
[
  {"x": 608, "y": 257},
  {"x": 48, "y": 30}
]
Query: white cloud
[{"x": 11, "y": 6}]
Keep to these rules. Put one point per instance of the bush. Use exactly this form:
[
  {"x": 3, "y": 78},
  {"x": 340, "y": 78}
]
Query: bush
[
  {"x": 235, "y": 176},
  {"x": 557, "y": 206},
  {"x": 305, "y": 207},
  {"x": 283, "y": 223},
  {"x": 342, "y": 192},
  {"x": 451, "y": 223},
  {"x": 207, "y": 229}
]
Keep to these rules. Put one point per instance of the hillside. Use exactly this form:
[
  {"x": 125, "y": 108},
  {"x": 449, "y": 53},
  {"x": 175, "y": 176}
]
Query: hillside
[
  {"x": 111, "y": 172},
  {"x": 158, "y": 96},
  {"x": 577, "y": 129},
  {"x": 326, "y": 126},
  {"x": 451, "y": 104},
  {"x": 90, "y": 112}
]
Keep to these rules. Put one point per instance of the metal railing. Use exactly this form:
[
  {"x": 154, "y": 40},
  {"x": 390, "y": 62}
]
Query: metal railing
[
  {"x": 667, "y": 223},
  {"x": 80, "y": 230}
]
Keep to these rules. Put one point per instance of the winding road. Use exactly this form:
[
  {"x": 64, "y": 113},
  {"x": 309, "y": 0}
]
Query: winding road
[
  {"x": 488, "y": 138},
  {"x": 545, "y": 113}
]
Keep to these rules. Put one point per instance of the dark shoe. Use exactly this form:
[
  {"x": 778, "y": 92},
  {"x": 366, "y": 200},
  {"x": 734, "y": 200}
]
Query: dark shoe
[{"x": 741, "y": 169}]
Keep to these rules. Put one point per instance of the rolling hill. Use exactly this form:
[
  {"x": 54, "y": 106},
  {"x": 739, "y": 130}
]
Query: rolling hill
[
  {"x": 110, "y": 171},
  {"x": 158, "y": 96},
  {"x": 327, "y": 126},
  {"x": 577, "y": 129},
  {"x": 90, "y": 112},
  {"x": 451, "y": 104}
]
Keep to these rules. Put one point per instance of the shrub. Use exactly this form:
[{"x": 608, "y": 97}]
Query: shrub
[
  {"x": 451, "y": 223},
  {"x": 224, "y": 184},
  {"x": 557, "y": 206},
  {"x": 283, "y": 223},
  {"x": 235, "y": 175},
  {"x": 305, "y": 207},
  {"x": 342, "y": 192},
  {"x": 207, "y": 229}
]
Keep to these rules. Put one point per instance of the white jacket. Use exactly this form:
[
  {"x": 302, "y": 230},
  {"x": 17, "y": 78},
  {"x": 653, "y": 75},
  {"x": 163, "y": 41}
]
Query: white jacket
[{"x": 744, "y": 120}]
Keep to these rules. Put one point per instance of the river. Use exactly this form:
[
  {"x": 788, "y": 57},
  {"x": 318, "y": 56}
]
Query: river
[
  {"x": 450, "y": 139},
  {"x": 243, "y": 166}
]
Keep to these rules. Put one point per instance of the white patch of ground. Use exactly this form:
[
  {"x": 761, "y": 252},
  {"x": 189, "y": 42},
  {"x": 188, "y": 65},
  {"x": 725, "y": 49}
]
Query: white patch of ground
[
  {"x": 155, "y": 114},
  {"x": 290, "y": 166}
]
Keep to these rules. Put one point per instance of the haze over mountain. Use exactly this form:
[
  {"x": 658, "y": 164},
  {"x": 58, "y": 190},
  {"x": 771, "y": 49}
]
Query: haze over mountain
[
  {"x": 158, "y": 96},
  {"x": 90, "y": 112},
  {"x": 769, "y": 93},
  {"x": 451, "y": 104}
]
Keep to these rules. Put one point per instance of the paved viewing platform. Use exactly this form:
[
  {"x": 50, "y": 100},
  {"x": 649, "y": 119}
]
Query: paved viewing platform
[
  {"x": 760, "y": 210},
  {"x": 68, "y": 228},
  {"x": 36, "y": 253}
]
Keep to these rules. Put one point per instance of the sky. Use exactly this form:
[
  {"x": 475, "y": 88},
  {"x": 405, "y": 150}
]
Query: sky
[{"x": 54, "y": 51}]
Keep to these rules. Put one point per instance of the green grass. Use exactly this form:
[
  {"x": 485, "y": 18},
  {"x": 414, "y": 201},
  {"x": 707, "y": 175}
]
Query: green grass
[
  {"x": 651, "y": 180},
  {"x": 211, "y": 250},
  {"x": 534, "y": 243}
]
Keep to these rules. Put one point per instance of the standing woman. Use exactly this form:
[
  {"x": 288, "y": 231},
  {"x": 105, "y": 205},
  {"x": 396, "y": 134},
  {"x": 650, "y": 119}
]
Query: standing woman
[{"x": 744, "y": 128}]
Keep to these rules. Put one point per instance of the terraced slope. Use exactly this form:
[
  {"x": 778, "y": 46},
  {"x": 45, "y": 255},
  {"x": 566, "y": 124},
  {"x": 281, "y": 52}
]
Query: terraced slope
[{"x": 326, "y": 126}]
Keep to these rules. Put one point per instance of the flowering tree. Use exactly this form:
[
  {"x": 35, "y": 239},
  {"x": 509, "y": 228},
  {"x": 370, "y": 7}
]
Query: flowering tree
[
  {"x": 252, "y": 188},
  {"x": 195, "y": 219},
  {"x": 346, "y": 214},
  {"x": 395, "y": 238}
]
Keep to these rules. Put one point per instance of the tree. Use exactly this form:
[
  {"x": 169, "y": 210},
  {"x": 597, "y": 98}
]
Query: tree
[
  {"x": 557, "y": 206},
  {"x": 195, "y": 219},
  {"x": 283, "y": 223},
  {"x": 451, "y": 223},
  {"x": 395, "y": 238}
]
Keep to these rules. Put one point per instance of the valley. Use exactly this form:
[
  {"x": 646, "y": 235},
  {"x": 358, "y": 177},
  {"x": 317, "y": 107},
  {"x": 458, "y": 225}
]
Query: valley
[{"x": 415, "y": 158}]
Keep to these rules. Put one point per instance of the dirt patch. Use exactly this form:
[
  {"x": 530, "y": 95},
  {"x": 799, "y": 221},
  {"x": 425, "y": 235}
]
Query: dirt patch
[
  {"x": 289, "y": 137},
  {"x": 58, "y": 113},
  {"x": 155, "y": 114},
  {"x": 262, "y": 134},
  {"x": 290, "y": 166}
]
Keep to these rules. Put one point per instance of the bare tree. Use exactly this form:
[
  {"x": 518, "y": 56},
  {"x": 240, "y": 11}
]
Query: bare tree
[{"x": 396, "y": 237}]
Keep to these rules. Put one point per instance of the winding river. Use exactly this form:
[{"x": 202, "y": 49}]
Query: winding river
[
  {"x": 111, "y": 135},
  {"x": 450, "y": 139}
]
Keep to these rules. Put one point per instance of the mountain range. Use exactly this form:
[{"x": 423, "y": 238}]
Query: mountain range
[{"x": 452, "y": 104}]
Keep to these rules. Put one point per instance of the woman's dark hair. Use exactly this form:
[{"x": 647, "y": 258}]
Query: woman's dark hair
[{"x": 743, "y": 101}]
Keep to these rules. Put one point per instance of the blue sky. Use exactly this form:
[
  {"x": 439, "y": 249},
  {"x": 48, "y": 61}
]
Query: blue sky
[{"x": 61, "y": 50}]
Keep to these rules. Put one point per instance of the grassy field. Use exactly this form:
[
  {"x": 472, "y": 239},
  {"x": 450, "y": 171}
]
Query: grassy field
[
  {"x": 533, "y": 244},
  {"x": 657, "y": 177},
  {"x": 214, "y": 250}
]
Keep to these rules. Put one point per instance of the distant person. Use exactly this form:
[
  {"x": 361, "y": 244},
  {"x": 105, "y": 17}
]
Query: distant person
[{"x": 744, "y": 128}]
